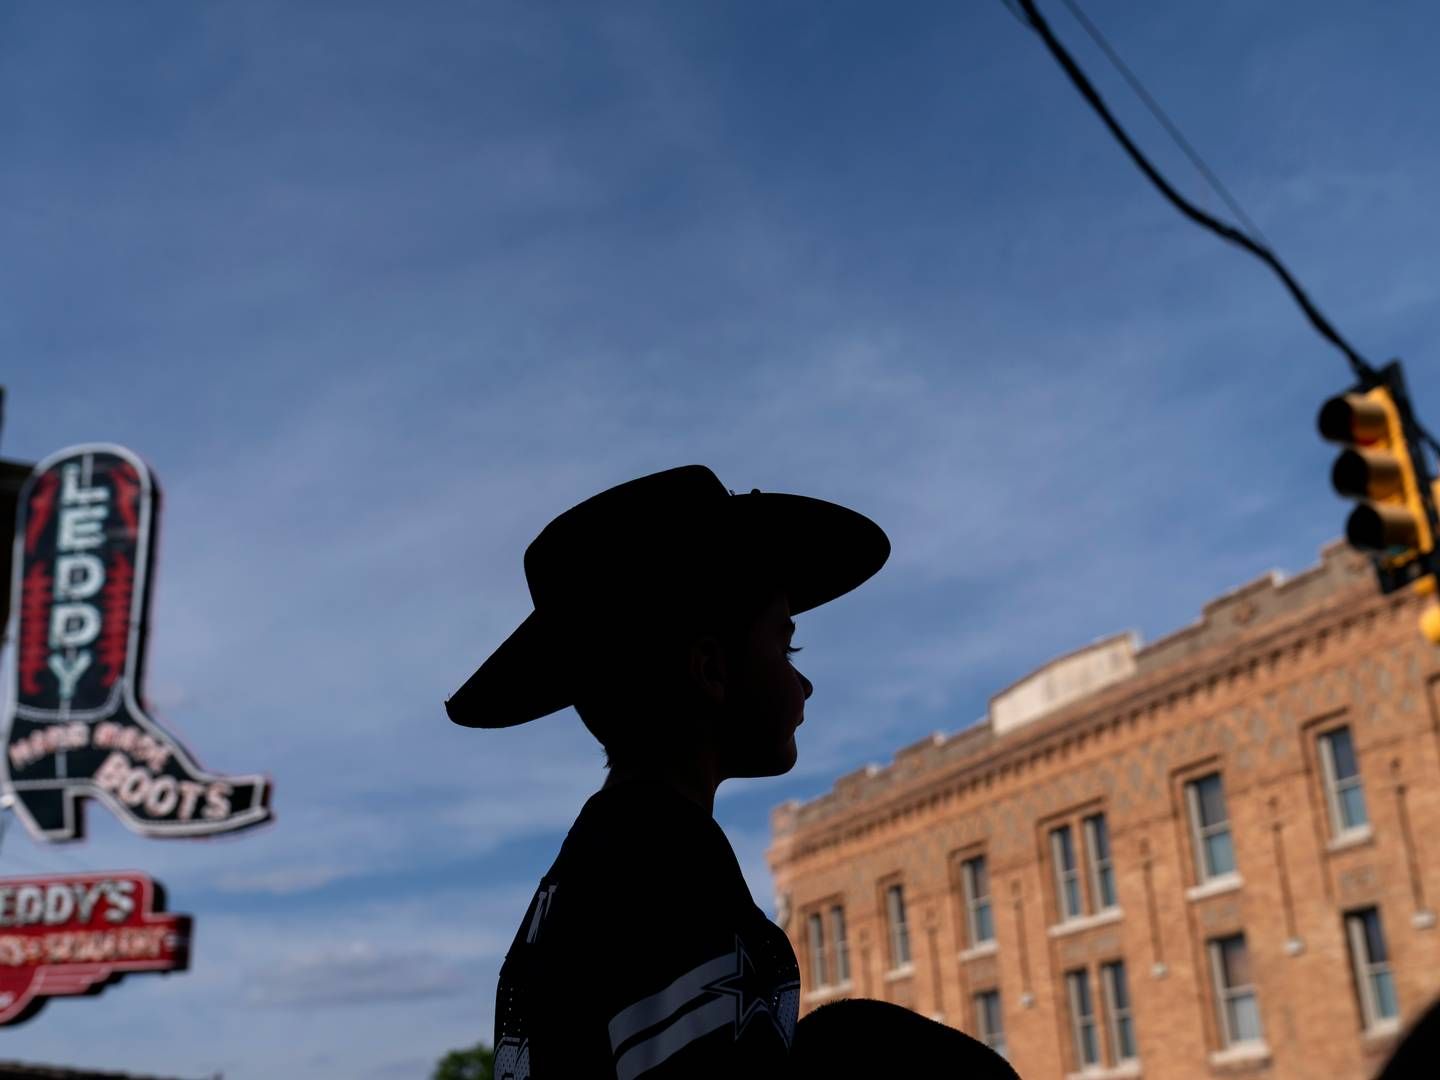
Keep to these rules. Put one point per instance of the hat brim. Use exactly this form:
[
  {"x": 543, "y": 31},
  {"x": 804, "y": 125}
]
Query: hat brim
[{"x": 819, "y": 551}]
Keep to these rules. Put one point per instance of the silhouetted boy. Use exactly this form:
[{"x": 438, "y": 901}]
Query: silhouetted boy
[{"x": 663, "y": 614}]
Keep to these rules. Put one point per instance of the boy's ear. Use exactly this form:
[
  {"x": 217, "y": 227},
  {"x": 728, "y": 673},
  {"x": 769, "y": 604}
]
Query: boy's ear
[{"x": 708, "y": 668}]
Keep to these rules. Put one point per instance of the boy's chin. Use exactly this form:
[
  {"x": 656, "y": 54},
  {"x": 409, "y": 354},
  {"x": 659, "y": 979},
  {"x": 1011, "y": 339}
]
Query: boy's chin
[{"x": 777, "y": 763}]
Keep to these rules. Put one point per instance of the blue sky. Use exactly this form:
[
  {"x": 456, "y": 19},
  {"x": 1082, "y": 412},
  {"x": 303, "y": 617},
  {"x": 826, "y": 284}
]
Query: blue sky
[{"x": 377, "y": 290}]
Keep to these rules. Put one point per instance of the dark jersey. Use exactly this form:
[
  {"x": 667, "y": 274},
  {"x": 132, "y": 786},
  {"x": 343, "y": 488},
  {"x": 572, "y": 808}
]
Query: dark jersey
[{"x": 643, "y": 956}]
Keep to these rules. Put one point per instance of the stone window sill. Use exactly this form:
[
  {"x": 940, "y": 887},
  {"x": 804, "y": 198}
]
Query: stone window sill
[
  {"x": 1214, "y": 887},
  {"x": 1382, "y": 1030},
  {"x": 1248, "y": 1053},
  {"x": 834, "y": 990},
  {"x": 1353, "y": 838},
  {"x": 1086, "y": 922},
  {"x": 1126, "y": 1070},
  {"x": 904, "y": 971},
  {"x": 987, "y": 948}
]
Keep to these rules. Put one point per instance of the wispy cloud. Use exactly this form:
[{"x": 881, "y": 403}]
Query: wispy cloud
[
  {"x": 359, "y": 973},
  {"x": 279, "y": 882}
]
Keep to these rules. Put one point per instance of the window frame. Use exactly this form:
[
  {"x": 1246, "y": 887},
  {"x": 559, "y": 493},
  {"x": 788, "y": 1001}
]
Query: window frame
[
  {"x": 1114, "y": 1014},
  {"x": 822, "y": 947},
  {"x": 1077, "y": 981},
  {"x": 1096, "y": 864},
  {"x": 1062, "y": 875},
  {"x": 1365, "y": 969},
  {"x": 1225, "y": 994},
  {"x": 1200, "y": 832},
  {"x": 973, "y": 901},
  {"x": 815, "y": 945},
  {"x": 1331, "y": 782},
  {"x": 897, "y": 932},
  {"x": 1082, "y": 827},
  {"x": 994, "y": 1039},
  {"x": 840, "y": 945}
]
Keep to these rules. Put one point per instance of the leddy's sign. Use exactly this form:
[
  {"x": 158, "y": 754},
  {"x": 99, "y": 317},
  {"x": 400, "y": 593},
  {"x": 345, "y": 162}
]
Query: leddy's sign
[
  {"x": 78, "y": 933},
  {"x": 84, "y": 555}
]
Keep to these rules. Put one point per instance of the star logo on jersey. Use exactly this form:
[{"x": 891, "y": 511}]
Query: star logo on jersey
[{"x": 750, "y": 992}]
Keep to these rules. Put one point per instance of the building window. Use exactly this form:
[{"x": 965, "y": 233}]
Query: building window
[
  {"x": 1343, "y": 792},
  {"x": 1371, "y": 961},
  {"x": 817, "y": 950},
  {"x": 976, "y": 880},
  {"x": 1082, "y": 1018},
  {"x": 1067, "y": 874},
  {"x": 899, "y": 932},
  {"x": 841, "y": 947},
  {"x": 1234, "y": 991},
  {"x": 1091, "y": 888},
  {"x": 1210, "y": 827},
  {"x": 1117, "y": 1011},
  {"x": 1102, "y": 874},
  {"x": 989, "y": 1021}
]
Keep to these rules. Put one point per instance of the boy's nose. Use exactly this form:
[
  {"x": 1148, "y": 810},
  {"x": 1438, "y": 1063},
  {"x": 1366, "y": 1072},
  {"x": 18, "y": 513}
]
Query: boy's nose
[{"x": 809, "y": 686}]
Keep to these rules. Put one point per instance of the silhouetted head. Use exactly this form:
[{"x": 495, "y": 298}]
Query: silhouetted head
[
  {"x": 863, "y": 1037},
  {"x": 716, "y": 680},
  {"x": 663, "y": 611}
]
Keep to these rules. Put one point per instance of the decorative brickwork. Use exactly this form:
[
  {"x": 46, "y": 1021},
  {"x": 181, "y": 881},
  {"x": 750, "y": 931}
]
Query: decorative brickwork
[{"x": 1171, "y": 856}]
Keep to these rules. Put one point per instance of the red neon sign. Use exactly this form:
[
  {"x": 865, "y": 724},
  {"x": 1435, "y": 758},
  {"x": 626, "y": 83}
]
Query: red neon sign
[
  {"x": 78, "y": 726},
  {"x": 67, "y": 934}
]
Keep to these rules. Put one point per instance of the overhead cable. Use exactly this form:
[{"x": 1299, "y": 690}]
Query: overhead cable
[{"x": 1037, "y": 22}]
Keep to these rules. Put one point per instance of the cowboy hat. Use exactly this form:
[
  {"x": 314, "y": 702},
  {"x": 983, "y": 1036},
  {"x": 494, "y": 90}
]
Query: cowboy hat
[{"x": 658, "y": 540}]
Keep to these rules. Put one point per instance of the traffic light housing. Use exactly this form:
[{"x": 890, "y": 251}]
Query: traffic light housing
[{"x": 1383, "y": 466}]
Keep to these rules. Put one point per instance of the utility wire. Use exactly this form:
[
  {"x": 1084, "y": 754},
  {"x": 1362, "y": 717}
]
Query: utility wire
[
  {"x": 1357, "y": 362},
  {"x": 1031, "y": 15},
  {"x": 1020, "y": 16},
  {"x": 1159, "y": 114}
]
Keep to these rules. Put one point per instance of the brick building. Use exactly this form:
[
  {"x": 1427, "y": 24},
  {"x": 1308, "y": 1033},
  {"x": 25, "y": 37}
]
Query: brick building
[{"x": 1217, "y": 854}]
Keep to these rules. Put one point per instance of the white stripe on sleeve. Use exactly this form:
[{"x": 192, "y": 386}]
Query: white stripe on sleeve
[
  {"x": 659, "y": 1007},
  {"x": 644, "y": 1056}
]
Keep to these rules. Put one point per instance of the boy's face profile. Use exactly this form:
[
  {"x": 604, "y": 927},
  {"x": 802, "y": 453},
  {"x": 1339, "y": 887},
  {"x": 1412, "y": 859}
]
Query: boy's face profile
[
  {"x": 727, "y": 705},
  {"x": 762, "y": 701}
]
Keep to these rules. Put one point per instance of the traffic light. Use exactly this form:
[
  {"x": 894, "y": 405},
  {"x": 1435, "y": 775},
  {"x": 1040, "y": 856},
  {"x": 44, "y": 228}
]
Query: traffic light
[
  {"x": 1377, "y": 468},
  {"x": 1384, "y": 467}
]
